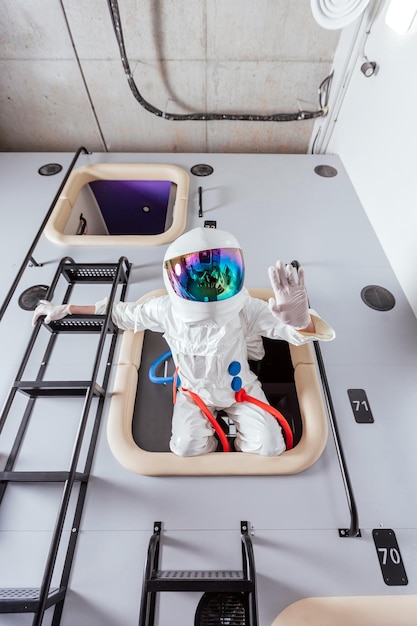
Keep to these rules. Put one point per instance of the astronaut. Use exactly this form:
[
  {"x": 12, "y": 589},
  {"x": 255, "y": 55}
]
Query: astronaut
[{"x": 212, "y": 326}]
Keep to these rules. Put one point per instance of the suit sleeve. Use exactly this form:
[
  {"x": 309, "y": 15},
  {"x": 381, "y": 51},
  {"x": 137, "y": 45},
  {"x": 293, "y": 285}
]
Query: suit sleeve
[
  {"x": 148, "y": 315},
  {"x": 260, "y": 321}
]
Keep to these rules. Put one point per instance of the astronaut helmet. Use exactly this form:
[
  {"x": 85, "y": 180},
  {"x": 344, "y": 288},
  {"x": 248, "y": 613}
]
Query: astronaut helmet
[{"x": 204, "y": 274}]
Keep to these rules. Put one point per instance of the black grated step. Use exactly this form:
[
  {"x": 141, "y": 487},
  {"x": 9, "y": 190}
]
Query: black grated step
[
  {"x": 200, "y": 574},
  {"x": 79, "y": 324},
  {"x": 91, "y": 273},
  {"x": 26, "y": 599},
  {"x": 199, "y": 580}
]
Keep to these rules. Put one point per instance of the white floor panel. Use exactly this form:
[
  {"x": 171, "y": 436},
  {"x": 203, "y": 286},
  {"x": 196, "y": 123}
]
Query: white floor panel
[
  {"x": 380, "y": 455},
  {"x": 277, "y": 207}
]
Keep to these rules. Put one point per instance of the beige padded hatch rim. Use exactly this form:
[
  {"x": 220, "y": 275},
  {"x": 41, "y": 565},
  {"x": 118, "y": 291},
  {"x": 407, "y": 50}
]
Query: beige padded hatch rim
[
  {"x": 135, "y": 459},
  {"x": 81, "y": 176},
  {"x": 350, "y": 611}
]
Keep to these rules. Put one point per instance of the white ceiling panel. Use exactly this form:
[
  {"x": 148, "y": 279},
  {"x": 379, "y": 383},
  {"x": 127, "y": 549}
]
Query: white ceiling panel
[
  {"x": 64, "y": 85},
  {"x": 34, "y": 29},
  {"x": 44, "y": 106},
  {"x": 267, "y": 30}
]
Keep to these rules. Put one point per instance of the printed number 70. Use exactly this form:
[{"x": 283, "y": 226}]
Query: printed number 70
[{"x": 393, "y": 554}]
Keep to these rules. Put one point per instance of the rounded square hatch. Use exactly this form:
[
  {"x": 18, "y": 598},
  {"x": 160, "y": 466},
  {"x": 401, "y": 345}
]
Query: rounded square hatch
[{"x": 118, "y": 204}]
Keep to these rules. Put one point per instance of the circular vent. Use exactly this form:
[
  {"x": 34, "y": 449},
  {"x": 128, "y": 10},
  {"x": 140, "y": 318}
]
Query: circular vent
[
  {"x": 29, "y": 299},
  {"x": 50, "y": 169},
  {"x": 378, "y": 298},
  {"x": 202, "y": 169},
  {"x": 221, "y": 609},
  {"x": 327, "y": 171}
]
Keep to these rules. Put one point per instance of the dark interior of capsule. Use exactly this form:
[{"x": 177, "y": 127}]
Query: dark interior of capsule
[
  {"x": 151, "y": 425},
  {"x": 135, "y": 206}
]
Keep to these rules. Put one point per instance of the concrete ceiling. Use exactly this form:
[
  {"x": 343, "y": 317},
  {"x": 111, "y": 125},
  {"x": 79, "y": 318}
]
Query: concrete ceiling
[{"x": 62, "y": 83}]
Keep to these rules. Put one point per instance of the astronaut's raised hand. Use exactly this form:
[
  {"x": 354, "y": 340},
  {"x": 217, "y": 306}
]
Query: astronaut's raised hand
[
  {"x": 51, "y": 311},
  {"x": 290, "y": 304}
]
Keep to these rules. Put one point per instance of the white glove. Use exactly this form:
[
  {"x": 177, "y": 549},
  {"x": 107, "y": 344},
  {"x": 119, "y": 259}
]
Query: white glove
[
  {"x": 51, "y": 311},
  {"x": 290, "y": 305},
  {"x": 101, "y": 307}
]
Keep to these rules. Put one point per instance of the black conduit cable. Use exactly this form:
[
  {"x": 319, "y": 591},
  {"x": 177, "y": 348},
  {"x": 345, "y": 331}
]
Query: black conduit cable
[
  {"x": 29, "y": 254},
  {"x": 353, "y": 530},
  {"x": 201, "y": 117}
]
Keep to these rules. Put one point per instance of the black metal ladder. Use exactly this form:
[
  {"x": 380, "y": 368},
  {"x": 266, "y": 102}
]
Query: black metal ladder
[
  {"x": 241, "y": 582},
  {"x": 38, "y": 599}
]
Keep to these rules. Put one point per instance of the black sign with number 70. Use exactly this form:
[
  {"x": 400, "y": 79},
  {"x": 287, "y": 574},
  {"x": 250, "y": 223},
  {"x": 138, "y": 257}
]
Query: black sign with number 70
[{"x": 389, "y": 556}]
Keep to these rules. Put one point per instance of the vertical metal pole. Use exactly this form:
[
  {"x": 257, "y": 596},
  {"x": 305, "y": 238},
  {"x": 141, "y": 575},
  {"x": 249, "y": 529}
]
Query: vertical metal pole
[
  {"x": 249, "y": 571},
  {"x": 29, "y": 255}
]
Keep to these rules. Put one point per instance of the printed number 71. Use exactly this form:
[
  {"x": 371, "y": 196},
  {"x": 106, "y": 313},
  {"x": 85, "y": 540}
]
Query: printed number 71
[{"x": 357, "y": 404}]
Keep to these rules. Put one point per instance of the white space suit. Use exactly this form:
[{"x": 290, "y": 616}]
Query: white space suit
[
  {"x": 209, "y": 321},
  {"x": 213, "y": 326}
]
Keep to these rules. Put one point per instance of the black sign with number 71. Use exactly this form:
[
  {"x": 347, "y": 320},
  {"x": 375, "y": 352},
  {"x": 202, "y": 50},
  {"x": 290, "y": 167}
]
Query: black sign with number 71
[{"x": 360, "y": 406}]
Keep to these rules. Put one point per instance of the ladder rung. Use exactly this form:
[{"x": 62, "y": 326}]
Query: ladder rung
[
  {"x": 193, "y": 580},
  {"x": 90, "y": 272},
  {"x": 26, "y": 599},
  {"x": 54, "y": 388},
  {"x": 40, "y": 477},
  {"x": 81, "y": 324}
]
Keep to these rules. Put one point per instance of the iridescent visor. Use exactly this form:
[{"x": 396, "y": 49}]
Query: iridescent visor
[{"x": 208, "y": 275}]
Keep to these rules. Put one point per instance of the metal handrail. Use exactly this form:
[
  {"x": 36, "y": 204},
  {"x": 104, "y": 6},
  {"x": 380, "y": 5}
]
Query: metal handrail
[
  {"x": 147, "y": 607},
  {"x": 248, "y": 560},
  {"x": 353, "y": 530},
  {"x": 29, "y": 256}
]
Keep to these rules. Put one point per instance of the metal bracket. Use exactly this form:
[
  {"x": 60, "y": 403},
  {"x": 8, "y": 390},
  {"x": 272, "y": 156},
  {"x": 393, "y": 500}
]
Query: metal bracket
[
  {"x": 347, "y": 532},
  {"x": 33, "y": 263}
]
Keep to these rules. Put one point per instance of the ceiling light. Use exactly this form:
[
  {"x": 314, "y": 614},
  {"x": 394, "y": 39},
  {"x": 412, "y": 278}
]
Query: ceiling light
[
  {"x": 400, "y": 15},
  {"x": 335, "y": 14}
]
